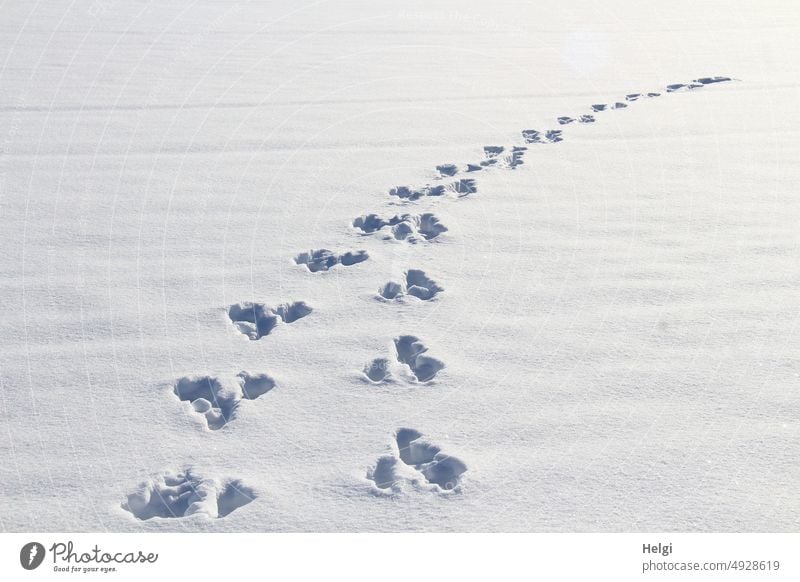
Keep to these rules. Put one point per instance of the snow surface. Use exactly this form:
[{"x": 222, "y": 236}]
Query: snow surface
[{"x": 601, "y": 338}]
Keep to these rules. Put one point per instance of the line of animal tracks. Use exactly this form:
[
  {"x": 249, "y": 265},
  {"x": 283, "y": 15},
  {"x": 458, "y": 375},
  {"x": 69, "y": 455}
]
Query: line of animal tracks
[{"x": 411, "y": 463}]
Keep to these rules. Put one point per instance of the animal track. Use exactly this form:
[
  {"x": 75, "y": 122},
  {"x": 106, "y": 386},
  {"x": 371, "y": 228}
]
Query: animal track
[
  {"x": 416, "y": 461},
  {"x": 710, "y": 80},
  {"x": 255, "y": 320},
  {"x": 416, "y": 283},
  {"x": 216, "y": 401},
  {"x": 450, "y": 170},
  {"x": 377, "y": 371},
  {"x": 438, "y": 468},
  {"x": 635, "y": 96},
  {"x": 446, "y": 170},
  {"x": 580, "y": 119},
  {"x": 459, "y": 188},
  {"x": 676, "y": 86},
  {"x": 604, "y": 107},
  {"x": 410, "y": 361},
  {"x": 412, "y": 352},
  {"x": 463, "y": 187},
  {"x": 500, "y": 157},
  {"x": 409, "y": 193},
  {"x": 323, "y": 259},
  {"x": 185, "y": 493},
  {"x": 549, "y": 136},
  {"x": 697, "y": 83},
  {"x": 407, "y": 227},
  {"x": 387, "y": 473}
]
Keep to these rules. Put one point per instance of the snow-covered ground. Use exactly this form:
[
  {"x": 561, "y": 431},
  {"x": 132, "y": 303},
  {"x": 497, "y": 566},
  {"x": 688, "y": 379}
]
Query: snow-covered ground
[{"x": 610, "y": 326}]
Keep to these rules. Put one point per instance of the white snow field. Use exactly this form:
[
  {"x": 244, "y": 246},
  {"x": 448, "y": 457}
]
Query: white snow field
[{"x": 238, "y": 295}]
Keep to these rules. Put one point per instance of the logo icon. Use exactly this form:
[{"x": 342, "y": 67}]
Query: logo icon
[{"x": 31, "y": 555}]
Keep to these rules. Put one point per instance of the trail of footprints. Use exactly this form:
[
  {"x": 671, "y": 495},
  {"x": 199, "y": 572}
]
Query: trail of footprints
[{"x": 415, "y": 463}]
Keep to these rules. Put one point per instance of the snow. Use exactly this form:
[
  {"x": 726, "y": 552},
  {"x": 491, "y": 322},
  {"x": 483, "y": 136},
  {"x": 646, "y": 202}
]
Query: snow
[{"x": 612, "y": 344}]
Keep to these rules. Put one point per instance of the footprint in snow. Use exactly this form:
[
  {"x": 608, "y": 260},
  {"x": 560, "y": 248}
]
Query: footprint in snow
[
  {"x": 323, "y": 259},
  {"x": 579, "y": 119},
  {"x": 503, "y": 157},
  {"x": 535, "y": 136},
  {"x": 711, "y": 80},
  {"x": 377, "y": 371},
  {"x": 447, "y": 170},
  {"x": 256, "y": 320},
  {"x": 637, "y": 96},
  {"x": 411, "y": 228},
  {"x": 418, "y": 462},
  {"x": 415, "y": 283},
  {"x": 493, "y": 157},
  {"x": 460, "y": 188},
  {"x": 604, "y": 107},
  {"x": 177, "y": 495},
  {"x": 217, "y": 401},
  {"x": 410, "y": 360}
]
